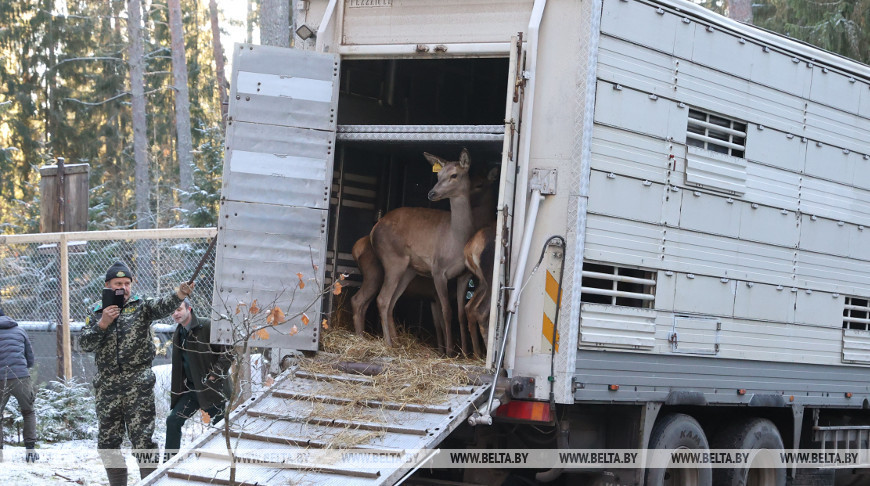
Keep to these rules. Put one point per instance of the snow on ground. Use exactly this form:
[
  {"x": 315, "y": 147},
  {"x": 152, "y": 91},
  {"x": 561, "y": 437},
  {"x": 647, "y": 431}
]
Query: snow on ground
[{"x": 77, "y": 462}]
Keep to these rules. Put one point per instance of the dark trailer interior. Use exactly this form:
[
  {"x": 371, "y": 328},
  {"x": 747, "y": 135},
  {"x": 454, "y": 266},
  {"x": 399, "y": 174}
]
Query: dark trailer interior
[{"x": 389, "y": 113}]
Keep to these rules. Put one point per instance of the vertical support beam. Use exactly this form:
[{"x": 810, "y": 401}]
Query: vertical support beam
[
  {"x": 64, "y": 308},
  {"x": 62, "y": 253}
]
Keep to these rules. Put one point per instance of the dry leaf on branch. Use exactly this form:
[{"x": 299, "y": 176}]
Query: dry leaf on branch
[
  {"x": 325, "y": 324},
  {"x": 301, "y": 282},
  {"x": 275, "y": 317},
  {"x": 254, "y": 308},
  {"x": 305, "y": 319},
  {"x": 206, "y": 418},
  {"x": 261, "y": 334},
  {"x": 337, "y": 289},
  {"x": 239, "y": 307},
  {"x": 294, "y": 330}
]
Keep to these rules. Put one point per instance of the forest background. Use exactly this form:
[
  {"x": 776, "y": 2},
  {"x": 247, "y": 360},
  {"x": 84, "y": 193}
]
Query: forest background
[{"x": 137, "y": 89}]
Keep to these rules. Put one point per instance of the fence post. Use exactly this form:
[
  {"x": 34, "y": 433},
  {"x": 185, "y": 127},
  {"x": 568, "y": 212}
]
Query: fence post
[{"x": 65, "y": 359}]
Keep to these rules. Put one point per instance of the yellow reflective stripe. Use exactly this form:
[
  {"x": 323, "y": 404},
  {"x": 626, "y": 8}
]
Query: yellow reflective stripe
[
  {"x": 552, "y": 287},
  {"x": 548, "y": 332}
]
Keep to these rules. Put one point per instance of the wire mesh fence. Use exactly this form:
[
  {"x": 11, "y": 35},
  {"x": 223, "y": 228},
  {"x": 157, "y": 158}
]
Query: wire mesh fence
[{"x": 31, "y": 290}]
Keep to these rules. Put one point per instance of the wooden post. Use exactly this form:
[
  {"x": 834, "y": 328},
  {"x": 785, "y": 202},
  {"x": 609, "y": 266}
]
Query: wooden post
[
  {"x": 66, "y": 343},
  {"x": 62, "y": 253}
]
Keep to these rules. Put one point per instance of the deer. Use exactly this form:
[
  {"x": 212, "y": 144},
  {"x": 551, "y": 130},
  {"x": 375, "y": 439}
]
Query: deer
[
  {"x": 421, "y": 241},
  {"x": 479, "y": 259},
  {"x": 483, "y": 202}
]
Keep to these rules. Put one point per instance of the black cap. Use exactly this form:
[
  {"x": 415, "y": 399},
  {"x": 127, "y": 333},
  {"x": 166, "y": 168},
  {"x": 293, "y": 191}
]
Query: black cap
[{"x": 118, "y": 270}]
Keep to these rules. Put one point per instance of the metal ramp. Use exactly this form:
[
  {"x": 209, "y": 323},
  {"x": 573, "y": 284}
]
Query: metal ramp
[{"x": 301, "y": 415}]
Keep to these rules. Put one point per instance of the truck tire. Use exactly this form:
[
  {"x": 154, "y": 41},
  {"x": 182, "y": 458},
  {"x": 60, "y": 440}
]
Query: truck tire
[
  {"x": 674, "y": 432},
  {"x": 750, "y": 435}
]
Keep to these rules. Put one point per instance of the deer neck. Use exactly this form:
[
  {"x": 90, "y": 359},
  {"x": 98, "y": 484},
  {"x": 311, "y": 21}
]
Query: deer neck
[{"x": 461, "y": 220}]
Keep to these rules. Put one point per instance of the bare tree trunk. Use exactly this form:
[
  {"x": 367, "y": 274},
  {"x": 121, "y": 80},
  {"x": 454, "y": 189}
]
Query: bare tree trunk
[
  {"x": 137, "y": 87},
  {"x": 184, "y": 146},
  {"x": 249, "y": 23},
  {"x": 275, "y": 23},
  {"x": 740, "y": 10},
  {"x": 219, "y": 58}
]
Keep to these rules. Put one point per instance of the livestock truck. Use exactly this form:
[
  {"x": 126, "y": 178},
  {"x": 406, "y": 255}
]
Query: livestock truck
[{"x": 682, "y": 255}]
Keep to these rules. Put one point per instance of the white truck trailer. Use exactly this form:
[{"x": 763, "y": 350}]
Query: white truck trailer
[{"x": 709, "y": 181}]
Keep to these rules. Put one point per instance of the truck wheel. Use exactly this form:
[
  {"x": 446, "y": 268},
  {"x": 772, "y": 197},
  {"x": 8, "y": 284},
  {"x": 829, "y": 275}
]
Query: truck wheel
[
  {"x": 676, "y": 432},
  {"x": 749, "y": 435}
]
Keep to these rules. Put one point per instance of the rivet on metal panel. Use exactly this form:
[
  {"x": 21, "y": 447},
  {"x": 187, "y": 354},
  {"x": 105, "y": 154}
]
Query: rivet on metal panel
[
  {"x": 818, "y": 144},
  {"x": 681, "y": 105},
  {"x": 779, "y": 287},
  {"x": 783, "y": 211},
  {"x": 851, "y": 80},
  {"x": 866, "y": 157},
  {"x": 846, "y": 151},
  {"x": 765, "y": 49},
  {"x": 841, "y": 223},
  {"x": 422, "y": 48},
  {"x": 813, "y": 217},
  {"x": 611, "y": 176},
  {"x": 647, "y": 183},
  {"x": 709, "y": 28},
  {"x": 795, "y": 60},
  {"x": 750, "y": 284},
  {"x": 686, "y": 20},
  {"x": 789, "y": 136},
  {"x": 809, "y": 291},
  {"x": 669, "y": 274},
  {"x": 690, "y": 276},
  {"x": 804, "y": 139},
  {"x": 696, "y": 193},
  {"x": 238, "y": 97},
  {"x": 440, "y": 48},
  {"x": 809, "y": 64},
  {"x": 794, "y": 289},
  {"x": 724, "y": 280},
  {"x": 754, "y": 205},
  {"x": 860, "y": 227},
  {"x": 825, "y": 70},
  {"x": 730, "y": 200},
  {"x": 660, "y": 11},
  {"x": 675, "y": 189},
  {"x": 835, "y": 296},
  {"x": 617, "y": 87},
  {"x": 761, "y": 127},
  {"x": 653, "y": 97}
]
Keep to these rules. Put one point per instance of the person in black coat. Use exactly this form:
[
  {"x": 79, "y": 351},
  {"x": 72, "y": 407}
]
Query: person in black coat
[
  {"x": 199, "y": 375},
  {"x": 16, "y": 359}
]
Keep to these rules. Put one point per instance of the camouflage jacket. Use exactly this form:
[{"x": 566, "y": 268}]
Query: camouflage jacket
[{"x": 126, "y": 345}]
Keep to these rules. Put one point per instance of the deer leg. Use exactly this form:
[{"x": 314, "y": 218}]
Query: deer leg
[
  {"x": 461, "y": 288},
  {"x": 373, "y": 278},
  {"x": 471, "y": 312},
  {"x": 437, "y": 320},
  {"x": 406, "y": 279},
  {"x": 387, "y": 297},
  {"x": 447, "y": 313}
]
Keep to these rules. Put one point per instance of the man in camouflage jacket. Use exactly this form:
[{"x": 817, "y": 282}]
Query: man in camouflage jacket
[{"x": 124, "y": 383}]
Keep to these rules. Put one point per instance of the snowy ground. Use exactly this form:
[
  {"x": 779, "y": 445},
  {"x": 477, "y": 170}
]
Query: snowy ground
[{"x": 77, "y": 462}]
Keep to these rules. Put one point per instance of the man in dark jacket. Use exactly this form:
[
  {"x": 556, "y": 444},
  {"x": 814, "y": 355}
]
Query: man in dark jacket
[
  {"x": 199, "y": 374},
  {"x": 120, "y": 338},
  {"x": 16, "y": 359}
]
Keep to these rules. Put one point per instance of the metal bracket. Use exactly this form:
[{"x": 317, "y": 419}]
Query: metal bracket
[
  {"x": 522, "y": 387},
  {"x": 543, "y": 180}
]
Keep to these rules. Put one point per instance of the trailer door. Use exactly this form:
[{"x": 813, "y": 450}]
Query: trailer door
[
  {"x": 507, "y": 187},
  {"x": 275, "y": 197}
]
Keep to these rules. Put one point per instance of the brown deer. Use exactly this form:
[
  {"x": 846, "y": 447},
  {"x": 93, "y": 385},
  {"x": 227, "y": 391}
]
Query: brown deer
[
  {"x": 483, "y": 202},
  {"x": 429, "y": 242},
  {"x": 479, "y": 256}
]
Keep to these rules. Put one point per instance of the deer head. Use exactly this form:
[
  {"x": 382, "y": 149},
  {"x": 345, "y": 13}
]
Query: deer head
[{"x": 452, "y": 177}]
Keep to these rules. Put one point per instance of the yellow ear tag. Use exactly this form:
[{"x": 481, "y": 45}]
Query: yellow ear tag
[{"x": 436, "y": 167}]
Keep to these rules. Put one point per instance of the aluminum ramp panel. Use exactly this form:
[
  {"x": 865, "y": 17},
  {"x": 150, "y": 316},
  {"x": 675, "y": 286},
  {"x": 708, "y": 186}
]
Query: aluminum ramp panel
[{"x": 299, "y": 415}]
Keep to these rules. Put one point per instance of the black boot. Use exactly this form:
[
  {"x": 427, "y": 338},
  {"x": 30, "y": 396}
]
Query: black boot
[
  {"x": 117, "y": 476},
  {"x": 31, "y": 455}
]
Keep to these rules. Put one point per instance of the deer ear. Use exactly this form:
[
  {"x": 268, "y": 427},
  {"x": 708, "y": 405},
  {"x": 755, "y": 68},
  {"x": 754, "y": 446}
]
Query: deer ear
[
  {"x": 492, "y": 176},
  {"x": 464, "y": 161},
  {"x": 434, "y": 160}
]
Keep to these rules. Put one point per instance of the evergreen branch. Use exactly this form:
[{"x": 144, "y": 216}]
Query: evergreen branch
[
  {"x": 98, "y": 103},
  {"x": 85, "y": 59}
]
